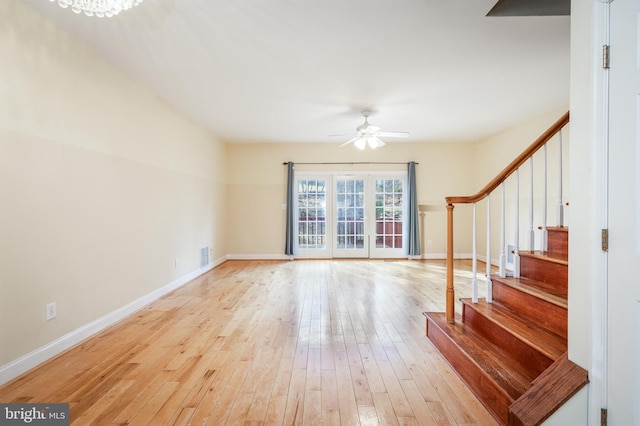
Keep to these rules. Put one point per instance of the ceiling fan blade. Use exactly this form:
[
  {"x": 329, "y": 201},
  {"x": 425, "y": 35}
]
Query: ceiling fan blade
[
  {"x": 393, "y": 134},
  {"x": 349, "y": 141},
  {"x": 342, "y": 135}
]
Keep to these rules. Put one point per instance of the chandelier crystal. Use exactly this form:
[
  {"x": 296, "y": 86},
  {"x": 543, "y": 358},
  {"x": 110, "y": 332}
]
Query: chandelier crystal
[{"x": 99, "y": 8}]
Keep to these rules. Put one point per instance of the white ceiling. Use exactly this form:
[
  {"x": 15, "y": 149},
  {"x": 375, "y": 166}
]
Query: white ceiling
[{"x": 299, "y": 70}]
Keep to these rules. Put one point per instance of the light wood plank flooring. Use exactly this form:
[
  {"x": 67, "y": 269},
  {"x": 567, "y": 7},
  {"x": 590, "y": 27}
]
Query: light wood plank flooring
[{"x": 270, "y": 343}]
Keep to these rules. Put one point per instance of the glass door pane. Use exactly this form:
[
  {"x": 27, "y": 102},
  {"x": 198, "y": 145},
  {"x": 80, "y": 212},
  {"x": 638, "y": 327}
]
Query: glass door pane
[
  {"x": 351, "y": 236},
  {"x": 312, "y": 217},
  {"x": 389, "y": 217}
]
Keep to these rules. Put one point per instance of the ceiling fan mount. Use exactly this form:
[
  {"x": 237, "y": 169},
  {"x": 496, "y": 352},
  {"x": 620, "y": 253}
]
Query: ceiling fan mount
[{"x": 368, "y": 134}]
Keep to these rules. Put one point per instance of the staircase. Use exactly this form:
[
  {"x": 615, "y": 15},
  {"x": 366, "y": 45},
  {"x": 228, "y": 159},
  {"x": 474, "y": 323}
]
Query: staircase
[
  {"x": 511, "y": 350},
  {"x": 500, "y": 348}
]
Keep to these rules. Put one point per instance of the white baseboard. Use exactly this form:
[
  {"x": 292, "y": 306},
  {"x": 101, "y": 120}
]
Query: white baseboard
[
  {"x": 424, "y": 256},
  {"x": 258, "y": 257},
  {"x": 25, "y": 363},
  {"x": 494, "y": 262},
  {"x": 285, "y": 257},
  {"x": 437, "y": 256}
]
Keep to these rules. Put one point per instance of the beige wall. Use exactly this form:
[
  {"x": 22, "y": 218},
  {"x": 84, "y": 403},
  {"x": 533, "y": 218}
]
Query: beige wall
[
  {"x": 102, "y": 185},
  {"x": 494, "y": 153},
  {"x": 257, "y": 184}
]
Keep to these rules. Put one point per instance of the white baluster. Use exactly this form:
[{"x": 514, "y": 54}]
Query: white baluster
[
  {"x": 531, "y": 232},
  {"x": 503, "y": 258},
  {"x": 516, "y": 248},
  {"x": 560, "y": 206},
  {"x": 488, "y": 295},
  {"x": 474, "y": 281},
  {"x": 545, "y": 233}
]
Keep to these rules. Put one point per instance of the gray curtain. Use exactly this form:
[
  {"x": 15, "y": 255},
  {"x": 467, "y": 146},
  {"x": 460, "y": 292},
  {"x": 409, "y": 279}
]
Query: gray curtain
[
  {"x": 413, "y": 223},
  {"x": 289, "y": 242}
]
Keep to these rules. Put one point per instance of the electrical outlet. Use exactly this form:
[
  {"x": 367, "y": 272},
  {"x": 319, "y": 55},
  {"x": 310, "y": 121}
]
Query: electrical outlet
[
  {"x": 51, "y": 311},
  {"x": 428, "y": 242}
]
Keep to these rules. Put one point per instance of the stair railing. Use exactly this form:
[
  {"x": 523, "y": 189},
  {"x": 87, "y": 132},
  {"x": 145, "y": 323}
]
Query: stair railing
[{"x": 485, "y": 192}]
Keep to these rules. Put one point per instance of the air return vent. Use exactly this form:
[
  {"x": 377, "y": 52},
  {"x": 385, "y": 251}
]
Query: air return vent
[{"x": 204, "y": 256}]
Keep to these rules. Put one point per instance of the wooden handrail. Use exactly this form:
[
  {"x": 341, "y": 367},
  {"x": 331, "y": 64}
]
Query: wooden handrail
[
  {"x": 484, "y": 192},
  {"x": 513, "y": 166}
]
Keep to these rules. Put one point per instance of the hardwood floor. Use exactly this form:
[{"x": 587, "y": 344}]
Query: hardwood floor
[{"x": 270, "y": 343}]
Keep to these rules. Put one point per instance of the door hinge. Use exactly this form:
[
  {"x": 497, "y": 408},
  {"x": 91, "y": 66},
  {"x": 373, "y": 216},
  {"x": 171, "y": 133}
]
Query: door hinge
[
  {"x": 603, "y": 417},
  {"x": 605, "y": 240},
  {"x": 605, "y": 56}
]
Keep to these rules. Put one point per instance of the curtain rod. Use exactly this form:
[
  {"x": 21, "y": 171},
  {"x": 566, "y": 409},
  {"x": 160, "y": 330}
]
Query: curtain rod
[{"x": 352, "y": 163}]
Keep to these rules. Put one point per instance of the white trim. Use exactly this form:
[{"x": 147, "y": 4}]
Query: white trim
[
  {"x": 424, "y": 256},
  {"x": 494, "y": 261},
  {"x": 271, "y": 256},
  {"x": 597, "y": 205},
  {"x": 31, "y": 360},
  {"x": 437, "y": 256}
]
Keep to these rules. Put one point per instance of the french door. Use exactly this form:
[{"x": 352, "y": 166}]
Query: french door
[
  {"x": 311, "y": 212},
  {"x": 350, "y": 216},
  {"x": 351, "y": 238}
]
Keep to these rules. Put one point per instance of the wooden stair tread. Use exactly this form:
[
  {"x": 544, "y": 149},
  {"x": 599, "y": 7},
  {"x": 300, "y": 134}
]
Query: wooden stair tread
[
  {"x": 483, "y": 354},
  {"x": 541, "y": 290},
  {"x": 549, "y": 391},
  {"x": 543, "y": 341},
  {"x": 559, "y": 258}
]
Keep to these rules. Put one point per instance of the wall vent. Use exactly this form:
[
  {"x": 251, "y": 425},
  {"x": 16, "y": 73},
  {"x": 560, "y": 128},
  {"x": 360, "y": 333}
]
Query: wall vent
[{"x": 204, "y": 256}]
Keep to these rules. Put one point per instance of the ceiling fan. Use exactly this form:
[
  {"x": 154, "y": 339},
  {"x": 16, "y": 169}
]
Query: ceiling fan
[{"x": 368, "y": 134}]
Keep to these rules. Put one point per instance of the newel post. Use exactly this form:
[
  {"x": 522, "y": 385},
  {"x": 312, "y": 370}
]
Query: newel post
[{"x": 450, "y": 305}]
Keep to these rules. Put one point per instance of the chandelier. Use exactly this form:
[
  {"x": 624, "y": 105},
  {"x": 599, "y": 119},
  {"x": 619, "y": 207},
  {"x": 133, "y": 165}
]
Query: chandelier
[{"x": 99, "y": 8}]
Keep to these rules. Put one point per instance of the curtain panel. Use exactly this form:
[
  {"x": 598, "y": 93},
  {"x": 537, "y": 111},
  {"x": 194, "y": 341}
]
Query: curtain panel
[
  {"x": 413, "y": 216},
  {"x": 289, "y": 242}
]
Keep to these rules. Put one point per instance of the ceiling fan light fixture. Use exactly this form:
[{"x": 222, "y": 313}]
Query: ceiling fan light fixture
[
  {"x": 360, "y": 143},
  {"x": 369, "y": 135}
]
